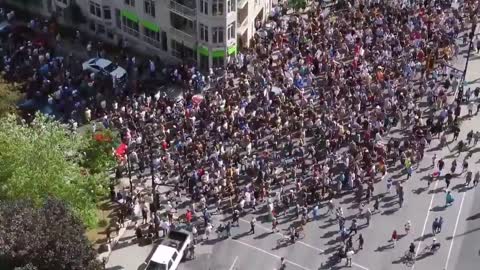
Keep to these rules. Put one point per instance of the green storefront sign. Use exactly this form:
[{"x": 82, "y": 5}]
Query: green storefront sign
[
  {"x": 218, "y": 53},
  {"x": 203, "y": 51},
  {"x": 232, "y": 50},
  {"x": 130, "y": 15},
  {"x": 151, "y": 26}
]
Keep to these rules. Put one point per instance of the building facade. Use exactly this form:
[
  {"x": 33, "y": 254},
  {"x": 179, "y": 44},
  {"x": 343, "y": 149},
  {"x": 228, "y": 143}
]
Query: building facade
[{"x": 207, "y": 32}]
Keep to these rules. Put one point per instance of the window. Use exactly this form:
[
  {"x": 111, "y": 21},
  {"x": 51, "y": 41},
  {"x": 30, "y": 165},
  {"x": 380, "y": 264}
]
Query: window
[
  {"x": 149, "y": 7},
  {"x": 218, "y": 33},
  {"x": 151, "y": 34},
  {"x": 107, "y": 13},
  {"x": 95, "y": 9},
  {"x": 217, "y": 61},
  {"x": 181, "y": 51},
  {"x": 204, "y": 6},
  {"x": 91, "y": 25},
  {"x": 109, "y": 34},
  {"x": 230, "y": 5},
  {"x": 231, "y": 31},
  {"x": 61, "y": 1},
  {"x": 217, "y": 7},
  {"x": 130, "y": 24},
  {"x": 130, "y": 3},
  {"x": 100, "y": 29},
  {"x": 164, "y": 41},
  {"x": 203, "y": 32}
]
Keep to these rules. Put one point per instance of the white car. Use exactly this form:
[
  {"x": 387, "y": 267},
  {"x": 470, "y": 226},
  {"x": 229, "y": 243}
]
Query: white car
[{"x": 105, "y": 67}]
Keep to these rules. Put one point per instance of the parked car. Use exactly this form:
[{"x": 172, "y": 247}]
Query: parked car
[
  {"x": 169, "y": 254},
  {"x": 105, "y": 67}
]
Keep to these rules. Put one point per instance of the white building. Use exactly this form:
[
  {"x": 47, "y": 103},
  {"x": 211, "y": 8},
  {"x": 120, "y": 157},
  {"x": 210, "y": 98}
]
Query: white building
[{"x": 204, "y": 31}]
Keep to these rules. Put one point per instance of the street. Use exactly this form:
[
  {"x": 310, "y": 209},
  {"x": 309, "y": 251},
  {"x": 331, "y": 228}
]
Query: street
[{"x": 458, "y": 238}]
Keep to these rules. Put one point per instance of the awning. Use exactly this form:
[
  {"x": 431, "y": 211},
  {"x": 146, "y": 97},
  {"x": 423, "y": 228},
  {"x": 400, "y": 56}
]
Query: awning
[
  {"x": 130, "y": 15},
  {"x": 218, "y": 53},
  {"x": 151, "y": 26},
  {"x": 203, "y": 51}
]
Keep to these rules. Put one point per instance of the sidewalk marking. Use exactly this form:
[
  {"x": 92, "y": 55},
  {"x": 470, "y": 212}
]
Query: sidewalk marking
[
  {"x": 425, "y": 223},
  {"x": 300, "y": 242},
  {"x": 271, "y": 254},
  {"x": 233, "y": 264},
  {"x": 454, "y": 231}
]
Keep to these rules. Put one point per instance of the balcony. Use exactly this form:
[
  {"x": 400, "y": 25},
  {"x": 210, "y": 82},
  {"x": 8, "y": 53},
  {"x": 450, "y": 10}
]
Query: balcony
[
  {"x": 151, "y": 41},
  {"x": 130, "y": 31},
  {"x": 183, "y": 36},
  {"x": 182, "y": 9}
]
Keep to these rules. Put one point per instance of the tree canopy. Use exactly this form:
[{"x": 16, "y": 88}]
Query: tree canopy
[
  {"x": 10, "y": 94},
  {"x": 43, "y": 238},
  {"x": 44, "y": 159}
]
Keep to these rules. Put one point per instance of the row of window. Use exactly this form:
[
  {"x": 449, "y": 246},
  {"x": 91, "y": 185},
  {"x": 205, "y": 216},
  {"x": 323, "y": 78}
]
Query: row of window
[
  {"x": 96, "y": 10},
  {"x": 217, "y": 33},
  {"x": 148, "y": 6},
  {"x": 217, "y": 6}
]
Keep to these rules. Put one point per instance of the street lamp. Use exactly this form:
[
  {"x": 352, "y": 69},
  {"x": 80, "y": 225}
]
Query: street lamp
[{"x": 470, "y": 47}]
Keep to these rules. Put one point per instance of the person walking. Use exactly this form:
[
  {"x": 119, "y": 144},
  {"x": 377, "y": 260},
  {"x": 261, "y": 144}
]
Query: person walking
[
  {"x": 449, "y": 199},
  {"x": 252, "y": 226},
  {"x": 448, "y": 178},
  {"x": 353, "y": 227},
  {"x": 408, "y": 226},
  {"x": 439, "y": 225},
  {"x": 394, "y": 238},
  {"x": 468, "y": 178},
  {"x": 360, "y": 241},
  {"x": 349, "y": 254},
  {"x": 435, "y": 226},
  {"x": 368, "y": 215},
  {"x": 274, "y": 225},
  {"x": 376, "y": 205},
  {"x": 476, "y": 178}
]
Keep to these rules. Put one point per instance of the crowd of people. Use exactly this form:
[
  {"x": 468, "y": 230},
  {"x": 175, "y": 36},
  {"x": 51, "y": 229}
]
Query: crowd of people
[
  {"x": 298, "y": 120},
  {"x": 302, "y": 117}
]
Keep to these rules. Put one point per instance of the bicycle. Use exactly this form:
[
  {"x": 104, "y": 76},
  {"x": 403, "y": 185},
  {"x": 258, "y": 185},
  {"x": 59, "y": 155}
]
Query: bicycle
[
  {"x": 285, "y": 240},
  {"x": 409, "y": 258}
]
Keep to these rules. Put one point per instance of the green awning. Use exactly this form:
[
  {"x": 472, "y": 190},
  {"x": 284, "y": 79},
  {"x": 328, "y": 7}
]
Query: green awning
[
  {"x": 218, "y": 53},
  {"x": 130, "y": 15},
  {"x": 149, "y": 25},
  {"x": 203, "y": 51},
  {"x": 232, "y": 50}
]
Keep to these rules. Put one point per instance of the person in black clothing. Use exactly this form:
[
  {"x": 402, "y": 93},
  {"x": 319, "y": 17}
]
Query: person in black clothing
[{"x": 448, "y": 178}]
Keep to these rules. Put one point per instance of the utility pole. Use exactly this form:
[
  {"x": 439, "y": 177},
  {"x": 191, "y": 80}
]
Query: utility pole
[{"x": 470, "y": 47}]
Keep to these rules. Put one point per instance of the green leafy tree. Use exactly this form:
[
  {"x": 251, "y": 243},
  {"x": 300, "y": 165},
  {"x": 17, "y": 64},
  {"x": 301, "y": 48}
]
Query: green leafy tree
[
  {"x": 44, "y": 159},
  {"x": 10, "y": 94},
  {"x": 297, "y": 4},
  {"x": 43, "y": 238}
]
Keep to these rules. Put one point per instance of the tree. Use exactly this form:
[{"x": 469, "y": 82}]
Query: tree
[
  {"x": 44, "y": 159},
  {"x": 43, "y": 238},
  {"x": 9, "y": 96},
  {"x": 297, "y": 4}
]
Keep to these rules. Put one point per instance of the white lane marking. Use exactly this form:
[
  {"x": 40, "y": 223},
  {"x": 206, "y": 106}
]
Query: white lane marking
[
  {"x": 233, "y": 264},
  {"x": 300, "y": 242},
  {"x": 454, "y": 232},
  {"x": 271, "y": 254},
  {"x": 426, "y": 221}
]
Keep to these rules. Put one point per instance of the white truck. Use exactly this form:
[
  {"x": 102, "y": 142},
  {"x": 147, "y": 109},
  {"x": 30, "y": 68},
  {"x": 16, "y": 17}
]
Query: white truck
[{"x": 169, "y": 254}]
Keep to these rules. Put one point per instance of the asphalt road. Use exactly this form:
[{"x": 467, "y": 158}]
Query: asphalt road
[{"x": 459, "y": 237}]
